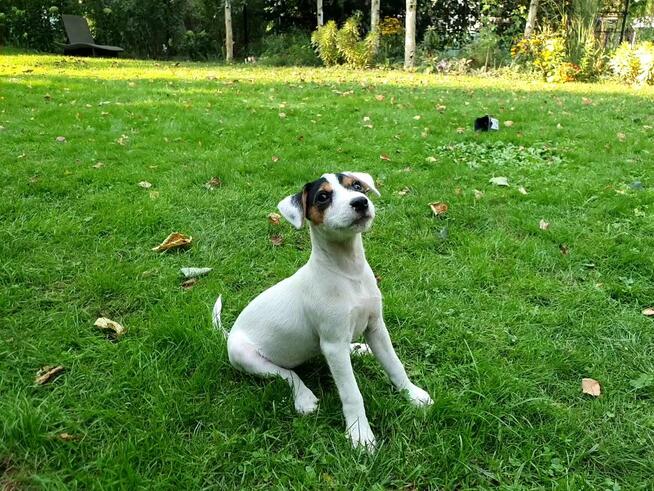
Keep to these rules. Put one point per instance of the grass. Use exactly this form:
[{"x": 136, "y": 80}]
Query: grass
[{"x": 484, "y": 308}]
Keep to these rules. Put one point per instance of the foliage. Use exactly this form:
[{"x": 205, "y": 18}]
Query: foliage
[
  {"x": 545, "y": 52},
  {"x": 292, "y": 48},
  {"x": 484, "y": 50},
  {"x": 345, "y": 45},
  {"x": 391, "y": 39},
  {"x": 324, "y": 40},
  {"x": 634, "y": 64}
]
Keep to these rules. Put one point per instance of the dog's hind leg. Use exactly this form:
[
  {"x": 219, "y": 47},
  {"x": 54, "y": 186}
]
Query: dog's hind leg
[{"x": 244, "y": 356}]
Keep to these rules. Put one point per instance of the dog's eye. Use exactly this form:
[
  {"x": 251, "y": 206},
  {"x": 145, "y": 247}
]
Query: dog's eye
[
  {"x": 322, "y": 197},
  {"x": 357, "y": 186}
]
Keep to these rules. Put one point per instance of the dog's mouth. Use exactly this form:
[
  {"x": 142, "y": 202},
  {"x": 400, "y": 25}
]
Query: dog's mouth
[{"x": 361, "y": 221}]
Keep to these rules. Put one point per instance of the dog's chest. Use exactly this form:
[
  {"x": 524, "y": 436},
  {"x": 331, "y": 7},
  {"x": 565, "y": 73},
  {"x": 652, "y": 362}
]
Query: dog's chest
[{"x": 362, "y": 305}]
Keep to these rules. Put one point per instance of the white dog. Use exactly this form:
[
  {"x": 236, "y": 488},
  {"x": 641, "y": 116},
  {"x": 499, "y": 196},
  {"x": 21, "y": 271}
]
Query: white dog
[{"x": 328, "y": 303}]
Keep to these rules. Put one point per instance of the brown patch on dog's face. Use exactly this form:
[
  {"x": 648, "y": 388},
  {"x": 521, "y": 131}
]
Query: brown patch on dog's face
[
  {"x": 317, "y": 197},
  {"x": 352, "y": 183}
]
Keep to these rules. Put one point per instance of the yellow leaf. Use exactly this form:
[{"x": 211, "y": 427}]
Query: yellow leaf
[
  {"x": 175, "y": 240},
  {"x": 591, "y": 387},
  {"x": 108, "y": 324},
  {"x": 48, "y": 374}
]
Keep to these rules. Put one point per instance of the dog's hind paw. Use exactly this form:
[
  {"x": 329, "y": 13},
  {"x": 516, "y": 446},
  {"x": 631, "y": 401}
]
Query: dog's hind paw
[
  {"x": 306, "y": 402},
  {"x": 360, "y": 349}
]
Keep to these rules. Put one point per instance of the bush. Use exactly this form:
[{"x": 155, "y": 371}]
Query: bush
[
  {"x": 391, "y": 40},
  {"x": 288, "y": 49},
  {"x": 546, "y": 53},
  {"x": 324, "y": 41},
  {"x": 484, "y": 50},
  {"x": 634, "y": 64}
]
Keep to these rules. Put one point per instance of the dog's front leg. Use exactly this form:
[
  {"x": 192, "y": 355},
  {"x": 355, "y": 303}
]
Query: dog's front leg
[
  {"x": 380, "y": 343},
  {"x": 337, "y": 355}
]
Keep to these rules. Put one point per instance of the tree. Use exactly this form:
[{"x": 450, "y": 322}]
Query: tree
[
  {"x": 319, "y": 12},
  {"x": 410, "y": 34},
  {"x": 229, "y": 39},
  {"x": 531, "y": 18},
  {"x": 374, "y": 15}
]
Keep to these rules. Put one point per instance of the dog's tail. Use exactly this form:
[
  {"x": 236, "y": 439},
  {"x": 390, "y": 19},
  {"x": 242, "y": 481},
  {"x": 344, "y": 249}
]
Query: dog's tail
[{"x": 215, "y": 316}]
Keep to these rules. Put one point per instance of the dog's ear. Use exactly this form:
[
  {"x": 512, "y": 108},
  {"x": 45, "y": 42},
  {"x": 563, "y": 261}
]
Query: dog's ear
[
  {"x": 364, "y": 178},
  {"x": 293, "y": 208}
]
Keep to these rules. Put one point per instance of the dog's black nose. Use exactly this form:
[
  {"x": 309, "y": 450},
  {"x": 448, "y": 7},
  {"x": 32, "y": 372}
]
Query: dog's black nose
[{"x": 359, "y": 204}]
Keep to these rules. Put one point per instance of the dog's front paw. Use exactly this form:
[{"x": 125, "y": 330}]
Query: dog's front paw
[
  {"x": 306, "y": 402},
  {"x": 361, "y": 436},
  {"x": 418, "y": 397}
]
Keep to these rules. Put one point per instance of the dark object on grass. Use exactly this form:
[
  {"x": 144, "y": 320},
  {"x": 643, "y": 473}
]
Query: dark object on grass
[
  {"x": 81, "y": 42},
  {"x": 486, "y": 123}
]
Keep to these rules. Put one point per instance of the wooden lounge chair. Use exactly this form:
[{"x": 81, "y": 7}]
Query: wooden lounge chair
[{"x": 80, "y": 40}]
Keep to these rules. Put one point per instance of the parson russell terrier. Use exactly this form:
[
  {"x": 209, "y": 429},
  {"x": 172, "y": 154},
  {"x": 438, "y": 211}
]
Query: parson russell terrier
[{"x": 326, "y": 305}]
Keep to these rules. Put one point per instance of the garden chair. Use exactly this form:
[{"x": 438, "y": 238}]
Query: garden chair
[{"x": 80, "y": 40}]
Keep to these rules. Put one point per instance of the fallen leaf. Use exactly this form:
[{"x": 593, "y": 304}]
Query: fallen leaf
[
  {"x": 175, "y": 240},
  {"x": 417, "y": 117},
  {"x": 122, "y": 140},
  {"x": 276, "y": 240},
  {"x": 508, "y": 124},
  {"x": 499, "y": 181},
  {"x": 648, "y": 312},
  {"x": 478, "y": 194},
  {"x": 586, "y": 101},
  {"x": 61, "y": 139},
  {"x": 403, "y": 192},
  {"x": 460, "y": 130},
  {"x": 274, "y": 218},
  {"x": 439, "y": 208},
  {"x": 522, "y": 190},
  {"x": 275, "y": 158},
  {"x": 380, "y": 97},
  {"x": 366, "y": 119},
  {"x": 48, "y": 374},
  {"x": 565, "y": 250},
  {"x": 153, "y": 194},
  {"x": 543, "y": 225},
  {"x": 383, "y": 156},
  {"x": 431, "y": 159},
  {"x": 194, "y": 272},
  {"x": 98, "y": 165},
  {"x": 2, "y": 128},
  {"x": 621, "y": 136},
  {"x": 108, "y": 324},
  {"x": 591, "y": 387},
  {"x": 559, "y": 126},
  {"x": 213, "y": 183},
  {"x": 67, "y": 437},
  {"x": 440, "y": 108},
  {"x": 189, "y": 283},
  {"x": 145, "y": 184}
]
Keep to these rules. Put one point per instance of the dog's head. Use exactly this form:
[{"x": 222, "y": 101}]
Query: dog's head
[{"x": 336, "y": 203}]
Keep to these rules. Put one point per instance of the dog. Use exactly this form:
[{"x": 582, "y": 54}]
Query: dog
[{"x": 326, "y": 305}]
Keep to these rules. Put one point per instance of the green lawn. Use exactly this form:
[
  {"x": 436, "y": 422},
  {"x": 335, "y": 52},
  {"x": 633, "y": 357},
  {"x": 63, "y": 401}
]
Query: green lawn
[{"x": 498, "y": 319}]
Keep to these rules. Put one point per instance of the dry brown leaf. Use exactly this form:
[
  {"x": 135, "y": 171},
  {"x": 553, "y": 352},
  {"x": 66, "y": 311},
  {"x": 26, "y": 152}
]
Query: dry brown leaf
[
  {"x": 48, "y": 374},
  {"x": 98, "y": 165},
  {"x": 186, "y": 284},
  {"x": 508, "y": 124},
  {"x": 440, "y": 108},
  {"x": 154, "y": 194},
  {"x": 522, "y": 190},
  {"x": 586, "y": 101},
  {"x": 61, "y": 139},
  {"x": 543, "y": 225},
  {"x": 478, "y": 194},
  {"x": 213, "y": 183},
  {"x": 565, "y": 250},
  {"x": 274, "y": 218},
  {"x": 175, "y": 240},
  {"x": 383, "y": 156},
  {"x": 417, "y": 117},
  {"x": 276, "y": 240},
  {"x": 145, "y": 184},
  {"x": 431, "y": 159},
  {"x": 439, "y": 208},
  {"x": 282, "y": 115},
  {"x": 649, "y": 312},
  {"x": 591, "y": 387},
  {"x": 109, "y": 325},
  {"x": 67, "y": 437},
  {"x": 460, "y": 130},
  {"x": 275, "y": 158},
  {"x": 621, "y": 136},
  {"x": 380, "y": 97}
]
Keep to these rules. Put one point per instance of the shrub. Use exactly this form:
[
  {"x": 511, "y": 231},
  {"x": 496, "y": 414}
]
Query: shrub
[
  {"x": 484, "y": 50},
  {"x": 391, "y": 40},
  {"x": 544, "y": 52},
  {"x": 291, "y": 48},
  {"x": 324, "y": 41},
  {"x": 634, "y": 64},
  {"x": 335, "y": 45}
]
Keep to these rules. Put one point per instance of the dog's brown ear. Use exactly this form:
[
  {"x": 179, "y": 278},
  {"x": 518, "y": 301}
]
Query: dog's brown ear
[{"x": 293, "y": 208}]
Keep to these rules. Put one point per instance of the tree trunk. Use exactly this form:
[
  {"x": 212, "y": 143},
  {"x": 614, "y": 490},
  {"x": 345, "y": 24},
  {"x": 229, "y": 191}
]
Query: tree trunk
[
  {"x": 410, "y": 34},
  {"x": 319, "y": 12},
  {"x": 531, "y": 18},
  {"x": 374, "y": 15},
  {"x": 229, "y": 40},
  {"x": 624, "y": 20}
]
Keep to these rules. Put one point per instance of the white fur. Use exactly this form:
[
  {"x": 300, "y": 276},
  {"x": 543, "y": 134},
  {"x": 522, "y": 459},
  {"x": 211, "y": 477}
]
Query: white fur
[{"x": 327, "y": 304}]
